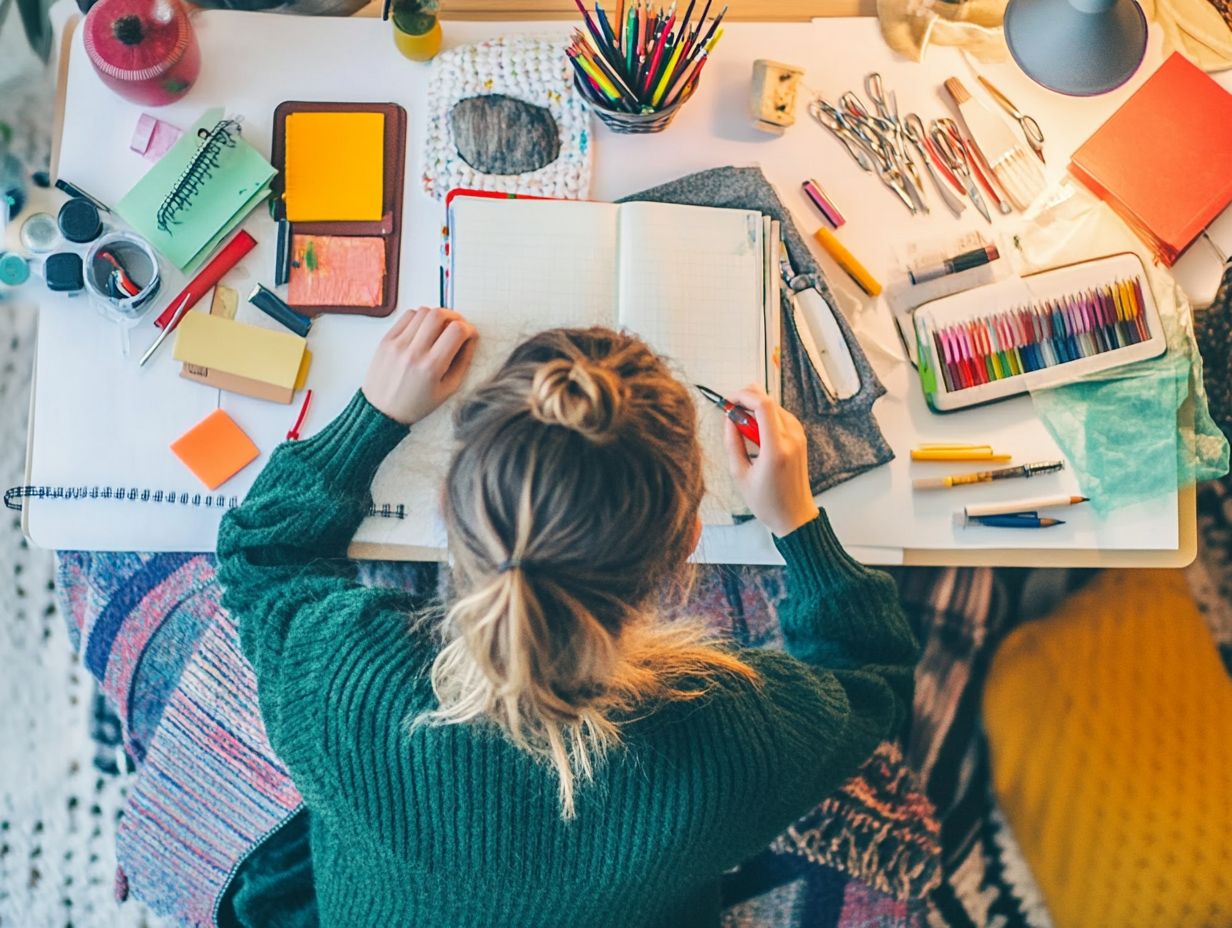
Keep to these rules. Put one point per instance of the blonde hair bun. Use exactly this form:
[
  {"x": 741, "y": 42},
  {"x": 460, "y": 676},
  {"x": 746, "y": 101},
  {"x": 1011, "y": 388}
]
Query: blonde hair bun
[{"x": 585, "y": 397}]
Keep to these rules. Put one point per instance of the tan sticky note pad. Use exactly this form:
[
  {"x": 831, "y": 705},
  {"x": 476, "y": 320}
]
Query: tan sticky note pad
[
  {"x": 335, "y": 167},
  {"x": 241, "y": 349}
]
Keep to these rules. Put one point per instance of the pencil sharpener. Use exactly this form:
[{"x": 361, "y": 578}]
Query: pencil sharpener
[{"x": 772, "y": 101}]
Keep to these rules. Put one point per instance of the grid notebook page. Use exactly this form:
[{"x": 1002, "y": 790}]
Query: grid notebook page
[
  {"x": 519, "y": 266},
  {"x": 692, "y": 285}
]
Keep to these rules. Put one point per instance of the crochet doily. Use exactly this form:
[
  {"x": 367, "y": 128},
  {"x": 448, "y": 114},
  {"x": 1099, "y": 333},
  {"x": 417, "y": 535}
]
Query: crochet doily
[{"x": 528, "y": 68}]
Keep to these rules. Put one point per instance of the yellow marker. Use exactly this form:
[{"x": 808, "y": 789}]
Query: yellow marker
[
  {"x": 957, "y": 453},
  {"x": 715, "y": 41},
  {"x": 847, "y": 261}
]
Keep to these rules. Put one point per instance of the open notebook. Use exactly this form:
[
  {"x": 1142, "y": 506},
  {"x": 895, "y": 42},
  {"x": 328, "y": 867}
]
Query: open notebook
[{"x": 695, "y": 282}]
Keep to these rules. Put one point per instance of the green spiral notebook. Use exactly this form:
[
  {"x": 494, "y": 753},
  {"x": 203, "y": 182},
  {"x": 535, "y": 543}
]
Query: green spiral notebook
[{"x": 198, "y": 192}]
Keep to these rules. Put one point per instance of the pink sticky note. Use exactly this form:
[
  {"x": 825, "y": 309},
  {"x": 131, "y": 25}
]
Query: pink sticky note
[{"x": 153, "y": 138}]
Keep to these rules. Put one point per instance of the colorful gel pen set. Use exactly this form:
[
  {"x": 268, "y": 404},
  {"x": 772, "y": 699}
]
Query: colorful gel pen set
[
  {"x": 1031, "y": 338},
  {"x": 640, "y": 61}
]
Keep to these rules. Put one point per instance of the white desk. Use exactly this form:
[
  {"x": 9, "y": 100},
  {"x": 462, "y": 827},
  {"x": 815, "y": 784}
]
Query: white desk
[{"x": 254, "y": 61}]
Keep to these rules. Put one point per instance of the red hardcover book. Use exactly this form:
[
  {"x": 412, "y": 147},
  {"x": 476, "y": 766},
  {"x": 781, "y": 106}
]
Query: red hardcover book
[{"x": 1162, "y": 160}]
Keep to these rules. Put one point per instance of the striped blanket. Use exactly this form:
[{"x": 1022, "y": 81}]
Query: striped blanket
[{"x": 209, "y": 788}]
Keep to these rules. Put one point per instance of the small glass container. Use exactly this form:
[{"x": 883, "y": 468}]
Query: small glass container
[
  {"x": 122, "y": 278},
  {"x": 144, "y": 50}
]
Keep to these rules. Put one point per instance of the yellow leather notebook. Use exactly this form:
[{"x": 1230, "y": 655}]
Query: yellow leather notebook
[{"x": 335, "y": 166}]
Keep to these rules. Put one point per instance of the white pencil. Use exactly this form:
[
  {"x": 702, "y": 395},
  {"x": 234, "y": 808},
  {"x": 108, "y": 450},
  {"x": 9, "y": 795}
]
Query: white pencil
[{"x": 1021, "y": 505}]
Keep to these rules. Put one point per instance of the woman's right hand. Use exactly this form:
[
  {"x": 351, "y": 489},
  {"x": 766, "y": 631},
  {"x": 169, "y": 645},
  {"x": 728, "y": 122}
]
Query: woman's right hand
[
  {"x": 775, "y": 484},
  {"x": 420, "y": 363}
]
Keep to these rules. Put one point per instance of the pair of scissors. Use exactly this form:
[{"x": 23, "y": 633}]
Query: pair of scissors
[
  {"x": 886, "y": 105},
  {"x": 913, "y": 131},
  {"x": 832, "y": 119},
  {"x": 746, "y": 425},
  {"x": 1030, "y": 128},
  {"x": 948, "y": 142}
]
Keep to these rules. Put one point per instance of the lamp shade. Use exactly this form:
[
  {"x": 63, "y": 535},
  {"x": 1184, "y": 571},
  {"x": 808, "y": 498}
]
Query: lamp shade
[{"x": 1076, "y": 47}]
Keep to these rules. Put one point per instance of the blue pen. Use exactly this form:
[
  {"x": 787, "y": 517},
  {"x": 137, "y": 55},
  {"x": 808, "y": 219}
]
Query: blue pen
[{"x": 1017, "y": 520}]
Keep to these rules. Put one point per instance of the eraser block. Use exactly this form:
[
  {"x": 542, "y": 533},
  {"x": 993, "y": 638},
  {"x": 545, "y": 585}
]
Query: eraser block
[{"x": 772, "y": 100}]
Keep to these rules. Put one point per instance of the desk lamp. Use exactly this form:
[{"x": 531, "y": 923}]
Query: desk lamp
[{"x": 1076, "y": 47}]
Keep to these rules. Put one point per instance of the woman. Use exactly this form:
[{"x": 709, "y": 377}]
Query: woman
[{"x": 549, "y": 753}]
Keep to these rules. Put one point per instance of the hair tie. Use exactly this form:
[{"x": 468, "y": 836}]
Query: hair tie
[{"x": 509, "y": 563}]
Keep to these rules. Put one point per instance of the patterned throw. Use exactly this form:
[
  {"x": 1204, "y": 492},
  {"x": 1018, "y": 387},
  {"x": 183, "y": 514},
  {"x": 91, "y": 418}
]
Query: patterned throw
[{"x": 209, "y": 788}]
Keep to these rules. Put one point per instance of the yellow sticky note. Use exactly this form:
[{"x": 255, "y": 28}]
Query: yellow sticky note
[
  {"x": 238, "y": 348},
  {"x": 335, "y": 167},
  {"x": 215, "y": 449}
]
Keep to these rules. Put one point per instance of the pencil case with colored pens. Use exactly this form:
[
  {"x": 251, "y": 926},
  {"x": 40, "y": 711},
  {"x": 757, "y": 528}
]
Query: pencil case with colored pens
[{"x": 1043, "y": 330}]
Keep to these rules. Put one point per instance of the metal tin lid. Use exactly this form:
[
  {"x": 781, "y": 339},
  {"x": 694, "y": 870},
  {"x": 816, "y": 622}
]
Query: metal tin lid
[
  {"x": 39, "y": 233},
  {"x": 79, "y": 221},
  {"x": 14, "y": 269}
]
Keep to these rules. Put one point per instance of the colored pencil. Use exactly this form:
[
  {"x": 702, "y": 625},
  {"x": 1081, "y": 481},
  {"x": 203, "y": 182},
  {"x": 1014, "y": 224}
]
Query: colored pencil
[
  {"x": 1026, "y": 339},
  {"x": 652, "y": 58},
  {"x": 657, "y": 56},
  {"x": 685, "y": 78}
]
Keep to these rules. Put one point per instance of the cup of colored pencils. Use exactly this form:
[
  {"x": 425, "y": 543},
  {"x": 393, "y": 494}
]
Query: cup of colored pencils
[{"x": 637, "y": 67}]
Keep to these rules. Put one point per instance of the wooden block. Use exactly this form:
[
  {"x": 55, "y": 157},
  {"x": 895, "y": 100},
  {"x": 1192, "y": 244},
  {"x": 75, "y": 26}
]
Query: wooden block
[{"x": 772, "y": 98}]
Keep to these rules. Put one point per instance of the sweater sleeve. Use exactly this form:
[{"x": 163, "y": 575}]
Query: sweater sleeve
[
  {"x": 845, "y": 684},
  {"x": 312, "y": 632}
]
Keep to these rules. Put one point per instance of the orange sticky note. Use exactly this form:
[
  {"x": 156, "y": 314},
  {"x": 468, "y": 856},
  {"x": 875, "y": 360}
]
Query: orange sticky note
[
  {"x": 335, "y": 166},
  {"x": 215, "y": 449}
]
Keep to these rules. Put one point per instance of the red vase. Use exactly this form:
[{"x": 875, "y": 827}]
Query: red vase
[{"x": 144, "y": 50}]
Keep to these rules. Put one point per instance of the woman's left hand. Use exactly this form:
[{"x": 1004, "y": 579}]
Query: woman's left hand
[{"x": 420, "y": 363}]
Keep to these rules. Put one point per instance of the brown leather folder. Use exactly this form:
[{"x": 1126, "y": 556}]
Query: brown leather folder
[{"x": 388, "y": 228}]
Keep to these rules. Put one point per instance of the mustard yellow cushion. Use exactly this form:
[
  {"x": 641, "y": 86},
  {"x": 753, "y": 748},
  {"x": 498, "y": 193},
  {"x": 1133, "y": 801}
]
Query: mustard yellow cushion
[{"x": 1110, "y": 729}]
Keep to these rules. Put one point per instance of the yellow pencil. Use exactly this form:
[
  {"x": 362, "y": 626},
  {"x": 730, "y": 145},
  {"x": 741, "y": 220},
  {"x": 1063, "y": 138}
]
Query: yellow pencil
[
  {"x": 597, "y": 76},
  {"x": 847, "y": 261},
  {"x": 667, "y": 73},
  {"x": 715, "y": 41}
]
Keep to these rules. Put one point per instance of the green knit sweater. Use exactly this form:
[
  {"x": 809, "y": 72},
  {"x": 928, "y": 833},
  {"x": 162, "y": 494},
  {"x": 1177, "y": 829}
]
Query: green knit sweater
[{"x": 454, "y": 826}]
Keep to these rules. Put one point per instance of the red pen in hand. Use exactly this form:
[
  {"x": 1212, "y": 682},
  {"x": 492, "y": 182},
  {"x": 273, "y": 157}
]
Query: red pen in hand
[{"x": 746, "y": 425}]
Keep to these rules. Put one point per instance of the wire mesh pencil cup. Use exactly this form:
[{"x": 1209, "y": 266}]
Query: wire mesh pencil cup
[{"x": 631, "y": 123}]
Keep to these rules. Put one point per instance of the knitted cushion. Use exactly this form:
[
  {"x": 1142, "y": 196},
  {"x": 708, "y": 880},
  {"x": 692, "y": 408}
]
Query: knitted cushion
[{"x": 1110, "y": 730}]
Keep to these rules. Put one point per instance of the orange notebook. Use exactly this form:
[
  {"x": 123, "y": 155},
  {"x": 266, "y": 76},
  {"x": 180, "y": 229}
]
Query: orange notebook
[{"x": 1162, "y": 160}]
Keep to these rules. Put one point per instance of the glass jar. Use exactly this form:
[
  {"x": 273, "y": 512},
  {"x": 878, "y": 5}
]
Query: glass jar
[
  {"x": 144, "y": 50},
  {"x": 417, "y": 31}
]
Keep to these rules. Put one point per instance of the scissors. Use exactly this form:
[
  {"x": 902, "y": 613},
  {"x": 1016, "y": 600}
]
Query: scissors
[
  {"x": 1030, "y": 128},
  {"x": 891, "y": 130},
  {"x": 746, "y": 425},
  {"x": 833, "y": 119},
  {"x": 887, "y": 107},
  {"x": 913, "y": 131},
  {"x": 944, "y": 135}
]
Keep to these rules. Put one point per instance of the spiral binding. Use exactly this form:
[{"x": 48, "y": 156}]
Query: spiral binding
[
  {"x": 175, "y": 497},
  {"x": 199, "y": 170}
]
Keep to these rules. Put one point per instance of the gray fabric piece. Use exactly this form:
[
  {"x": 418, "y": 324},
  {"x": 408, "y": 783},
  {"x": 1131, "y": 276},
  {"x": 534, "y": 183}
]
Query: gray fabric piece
[
  {"x": 496, "y": 134},
  {"x": 843, "y": 437}
]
